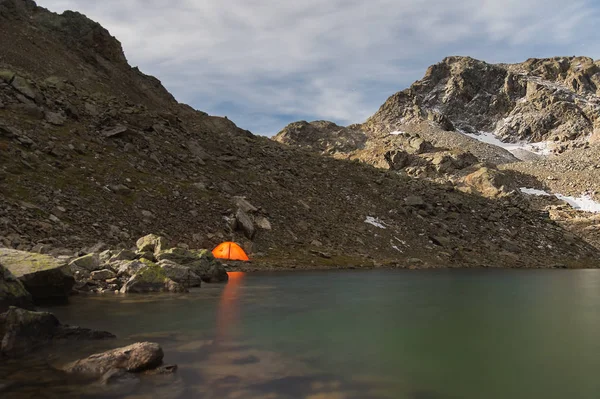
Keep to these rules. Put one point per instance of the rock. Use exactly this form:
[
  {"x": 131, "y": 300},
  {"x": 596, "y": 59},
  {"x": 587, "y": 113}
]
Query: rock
[
  {"x": 262, "y": 223},
  {"x": 12, "y": 292},
  {"x": 180, "y": 274},
  {"x": 55, "y": 118},
  {"x": 151, "y": 243},
  {"x": 244, "y": 205},
  {"x": 22, "y": 86},
  {"x": 103, "y": 275},
  {"x": 202, "y": 263},
  {"x": 128, "y": 267},
  {"x": 123, "y": 254},
  {"x": 88, "y": 263},
  {"x": 415, "y": 201},
  {"x": 151, "y": 278},
  {"x": 243, "y": 222},
  {"x": 22, "y": 331},
  {"x": 115, "y": 131},
  {"x": 45, "y": 277},
  {"x": 120, "y": 189},
  {"x": 134, "y": 358},
  {"x": 6, "y": 76},
  {"x": 489, "y": 182}
]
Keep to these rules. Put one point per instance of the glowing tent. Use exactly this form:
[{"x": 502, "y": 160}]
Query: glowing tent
[{"x": 230, "y": 251}]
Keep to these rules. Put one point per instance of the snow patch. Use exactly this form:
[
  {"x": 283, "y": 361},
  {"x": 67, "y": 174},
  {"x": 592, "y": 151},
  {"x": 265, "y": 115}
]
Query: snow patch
[
  {"x": 375, "y": 222},
  {"x": 396, "y": 133},
  {"x": 541, "y": 148},
  {"x": 584, "y": 203}
]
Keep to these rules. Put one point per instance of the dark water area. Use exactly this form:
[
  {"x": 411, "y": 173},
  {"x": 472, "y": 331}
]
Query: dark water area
[{"x": 444, "y": 334}]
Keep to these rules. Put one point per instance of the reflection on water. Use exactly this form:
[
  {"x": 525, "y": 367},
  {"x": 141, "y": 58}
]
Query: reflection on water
[
  {"x": 345, "y": 335},
  {"x": 229, "y": 307}
]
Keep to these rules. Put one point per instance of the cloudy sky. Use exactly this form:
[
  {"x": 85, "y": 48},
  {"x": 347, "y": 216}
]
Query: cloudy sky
[{"x": 265, "y": 63}]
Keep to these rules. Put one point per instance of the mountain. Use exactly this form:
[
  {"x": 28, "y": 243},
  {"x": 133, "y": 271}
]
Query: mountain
[
  {"x": 483, "y": 128},
  {"x": 94, "y": 150}
]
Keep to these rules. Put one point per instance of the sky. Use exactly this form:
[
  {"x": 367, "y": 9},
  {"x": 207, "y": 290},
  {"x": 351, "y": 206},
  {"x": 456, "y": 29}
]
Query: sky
[{"x": 266, "y": 63}]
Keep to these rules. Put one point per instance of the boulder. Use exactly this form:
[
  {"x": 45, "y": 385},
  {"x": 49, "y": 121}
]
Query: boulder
[
  {"x": 415, "y": 201},
  {"x": 151, "y": 278},
  {"x": 128, "y": 267},
  {"x": 263, "y": 223},
  {"x": 22, "y": 331},
  {"x": 138, "y": 357},
  {"x": 12, "y": 292},
  {"x": 201, "y": 262},
  {"x": 180, "y": 274},
  {"x": 45, "y": 277},
  {"x": 85, "y": 264},
  {"x": 244, "y": 223},
  {"x": 22, "y": 86},
  {"x": 123, "y": 254},
  {"x": 103, "y": 275},
  {"x": 151, "y": 243}
]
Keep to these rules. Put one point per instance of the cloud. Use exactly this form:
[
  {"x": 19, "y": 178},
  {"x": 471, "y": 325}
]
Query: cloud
[{"x": 265, "y": 63}]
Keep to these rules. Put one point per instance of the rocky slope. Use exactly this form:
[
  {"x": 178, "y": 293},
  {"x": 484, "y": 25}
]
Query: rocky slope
[
  {"x": 484, "y": 129},
  {"x": 94, "y": 150}
]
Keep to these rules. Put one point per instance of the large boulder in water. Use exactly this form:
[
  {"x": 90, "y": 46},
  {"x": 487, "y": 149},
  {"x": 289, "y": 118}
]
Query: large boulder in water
[
  {"x": 138, "y": 357},
  {"x": 151, "y": 278},
  {"x": 23, "y": 331},
  {"x": 201, "y": 262},
  {"x": 180, "y": 274},
  {"x": 12, "y": 292},
  {"x": 45, "y": 277}
]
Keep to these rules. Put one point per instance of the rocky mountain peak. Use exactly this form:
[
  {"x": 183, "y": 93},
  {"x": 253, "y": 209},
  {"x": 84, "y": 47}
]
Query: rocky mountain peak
[{"x": 552, "y": 99}]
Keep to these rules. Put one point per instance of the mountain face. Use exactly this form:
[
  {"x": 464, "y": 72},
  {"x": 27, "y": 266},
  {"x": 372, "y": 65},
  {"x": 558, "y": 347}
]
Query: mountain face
[
  {"x": 539, "y": 100},
  {"x": 93, "y": 150},
  {"x": 484, "y": 129}
]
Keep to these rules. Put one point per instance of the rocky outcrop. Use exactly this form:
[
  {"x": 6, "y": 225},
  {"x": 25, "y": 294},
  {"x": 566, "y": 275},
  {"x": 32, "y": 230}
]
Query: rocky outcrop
[
  {"x": 12, "y": 292},
  {"x": 151, "y": 243},
  {"x": 134, "y": 358},
  {"x": 23, "y": 331},
  {"x": 323, "y": 136},
  {"x": 555, "y": 99},
  {"x": 45, "y": 277}
]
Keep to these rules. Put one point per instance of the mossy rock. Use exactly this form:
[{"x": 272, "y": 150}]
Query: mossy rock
[
  {"x": 151, "y": 278},
  {"x": 45, "y": 277},
  {"x": 6, "y": 75},
  {"x": 12, "y": 292},
  {"x": 151, "y": 243}
]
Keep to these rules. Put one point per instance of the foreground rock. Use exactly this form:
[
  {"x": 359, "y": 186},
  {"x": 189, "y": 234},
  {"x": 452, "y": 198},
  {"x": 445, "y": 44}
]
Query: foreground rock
[
  {"x": 45, "y": 277},
  {"x": 12, "y": 292},
  {"x": 134, "y": 358},
  {"x": 23, "y": 331}
]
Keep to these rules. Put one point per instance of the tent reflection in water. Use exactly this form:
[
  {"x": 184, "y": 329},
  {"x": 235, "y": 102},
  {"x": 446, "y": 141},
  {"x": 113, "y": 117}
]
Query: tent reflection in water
[{"x": 230, "y": 251}]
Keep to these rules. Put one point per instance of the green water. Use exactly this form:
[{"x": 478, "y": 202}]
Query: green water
[{"x": 373, "y": 334}]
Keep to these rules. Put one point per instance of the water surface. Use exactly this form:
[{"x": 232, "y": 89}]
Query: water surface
[{"x": 446, "y": 334}]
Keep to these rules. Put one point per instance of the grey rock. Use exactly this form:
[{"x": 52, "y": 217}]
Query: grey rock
[
  {"x": 104, "y": 274},
  {"x": 244, "y": 223},
  {"x": 138, "y": 357},
  {"x": 22, "y": 86},
  {"x": 180, "y": 274},
  {"x": 12, "y": 292},
  {"x": 45, "y": 277}
]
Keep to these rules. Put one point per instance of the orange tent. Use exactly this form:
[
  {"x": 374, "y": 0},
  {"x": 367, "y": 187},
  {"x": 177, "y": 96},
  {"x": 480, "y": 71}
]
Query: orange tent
[{"x": 230, "y": 251}]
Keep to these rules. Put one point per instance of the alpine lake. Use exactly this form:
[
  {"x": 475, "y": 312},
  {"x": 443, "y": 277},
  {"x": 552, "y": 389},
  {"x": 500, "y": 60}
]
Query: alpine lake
[{"x": 423, "y": 334}]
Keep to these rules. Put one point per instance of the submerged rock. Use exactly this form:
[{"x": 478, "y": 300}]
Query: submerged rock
[
  {"x": 45, "y": 277},
  {"x": 12, "y": 292},
  {"x": 138, "y": 357},
  {"x": 22, "y": 331}
]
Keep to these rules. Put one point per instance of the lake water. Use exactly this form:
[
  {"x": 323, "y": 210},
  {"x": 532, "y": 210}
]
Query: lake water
[{"x": 443, "y": 334}]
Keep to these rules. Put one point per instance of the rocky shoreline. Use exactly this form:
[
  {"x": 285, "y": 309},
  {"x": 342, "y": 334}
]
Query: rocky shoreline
[{"x": 30, "y": 279}]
